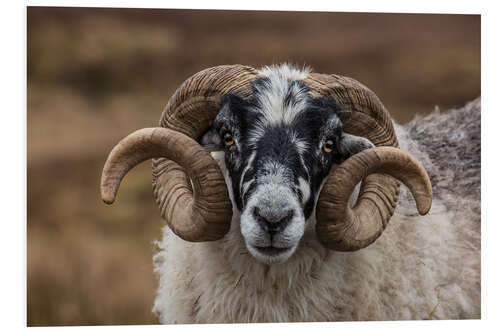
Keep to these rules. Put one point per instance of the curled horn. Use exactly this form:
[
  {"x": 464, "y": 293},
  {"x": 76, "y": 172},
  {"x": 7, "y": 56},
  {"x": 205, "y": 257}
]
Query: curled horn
[
  {"x": 349, "y": 229},
  {"x": 188, "y": 185},
  {"x": 338, "y": 226}
]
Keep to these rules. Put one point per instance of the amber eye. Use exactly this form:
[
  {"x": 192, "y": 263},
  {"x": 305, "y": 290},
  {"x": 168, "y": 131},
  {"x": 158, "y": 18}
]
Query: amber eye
[
  {"x": 228, "y": 139},
  {"x": 328, "y": 146}
]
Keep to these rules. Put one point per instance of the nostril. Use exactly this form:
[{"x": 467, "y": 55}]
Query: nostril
[
  {"x": 272, "y": 222},
  {"x": 288, "y": 217},
  {"x": 256, "y": 213}
]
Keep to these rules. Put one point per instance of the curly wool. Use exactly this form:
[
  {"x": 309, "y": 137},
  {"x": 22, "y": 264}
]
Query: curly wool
[{"x": 420, "y": 268}]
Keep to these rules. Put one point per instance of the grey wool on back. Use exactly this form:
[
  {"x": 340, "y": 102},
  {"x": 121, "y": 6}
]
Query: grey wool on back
[{"x": 452, "y": 141}]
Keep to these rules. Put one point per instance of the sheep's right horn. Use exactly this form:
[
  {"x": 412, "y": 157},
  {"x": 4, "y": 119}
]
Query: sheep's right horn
[
  {"x": 200, "y": 213},
  {"x": 344, "y": 229},
  {"x": 188, "y": 185},
  {"x": 191, "y": 111}
]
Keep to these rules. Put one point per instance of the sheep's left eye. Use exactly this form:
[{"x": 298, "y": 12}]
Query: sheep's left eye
[{"x": 328, "y": 146}]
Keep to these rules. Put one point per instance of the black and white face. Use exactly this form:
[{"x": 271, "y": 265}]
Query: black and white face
[{"x": 279, "y": 147}]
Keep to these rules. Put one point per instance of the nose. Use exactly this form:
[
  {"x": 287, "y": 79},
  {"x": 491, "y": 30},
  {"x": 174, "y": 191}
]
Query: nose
[{"x": 272, "y": 221}]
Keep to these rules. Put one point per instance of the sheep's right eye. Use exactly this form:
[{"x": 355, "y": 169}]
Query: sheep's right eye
[{"x": 228, "y": 139}]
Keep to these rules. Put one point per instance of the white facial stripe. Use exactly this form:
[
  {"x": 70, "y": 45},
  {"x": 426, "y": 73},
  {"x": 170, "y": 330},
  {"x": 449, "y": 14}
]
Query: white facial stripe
[
  {"x": 246, "y": 186},
  {"x": 255, "y": 134},
  {"x": 292, "y": 72},
  {"x": 247, "y": 167},
  {"x": 237, "y": 160},
  {"x": 302, "y": 147},
  {"x": 305, "y": 189},
  {"x": 304, "y": 165},
  {"x": 272, "y": 96},
  {"x": 273, "y": 107}
]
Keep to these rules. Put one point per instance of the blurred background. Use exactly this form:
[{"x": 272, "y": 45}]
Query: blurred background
[{"x": 95, "y": 75}]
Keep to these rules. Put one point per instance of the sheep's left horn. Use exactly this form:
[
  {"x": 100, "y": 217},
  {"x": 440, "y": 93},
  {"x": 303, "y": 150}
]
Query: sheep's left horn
[
  {"x": 344, "y": 229},
  {"x": 203, "y": 212}
]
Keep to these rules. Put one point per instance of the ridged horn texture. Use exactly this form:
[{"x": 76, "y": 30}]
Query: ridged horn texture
[
  {"x": 191, "y": 111},
  {"x": 337, "y": 226},
  {"x": 195, "y": 207},
  {"x": 346, "y": 229}
]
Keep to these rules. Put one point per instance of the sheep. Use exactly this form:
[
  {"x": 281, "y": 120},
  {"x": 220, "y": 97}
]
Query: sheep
[{"x": 254, "y": 245}]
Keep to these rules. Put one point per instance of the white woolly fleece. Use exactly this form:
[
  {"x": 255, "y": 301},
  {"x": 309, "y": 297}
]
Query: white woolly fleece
[{"x": 420, "y": 268}]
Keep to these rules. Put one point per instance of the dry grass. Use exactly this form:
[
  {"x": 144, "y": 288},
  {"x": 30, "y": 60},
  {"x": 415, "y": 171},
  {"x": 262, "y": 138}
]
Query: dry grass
[{"x": 94, "y": 75}]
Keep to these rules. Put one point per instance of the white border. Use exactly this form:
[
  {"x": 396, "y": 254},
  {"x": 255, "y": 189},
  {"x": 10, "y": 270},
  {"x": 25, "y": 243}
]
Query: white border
[
  {"x": 13, "y": 185},
  {"x": 422, "y": 6},
  {"x": 13, "y": 189}
]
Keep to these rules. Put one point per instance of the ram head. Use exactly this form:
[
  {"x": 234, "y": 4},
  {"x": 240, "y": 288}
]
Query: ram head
[{"x": 295, "y": 146}]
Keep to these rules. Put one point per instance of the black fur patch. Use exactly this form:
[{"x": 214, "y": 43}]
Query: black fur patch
[{"x": 276, "y": 142}]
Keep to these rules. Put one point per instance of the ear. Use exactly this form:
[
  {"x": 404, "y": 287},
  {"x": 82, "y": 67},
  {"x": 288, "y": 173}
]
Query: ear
[
  {"x": 211, "y": 140},
  {"x": 351, "y": 144}
]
